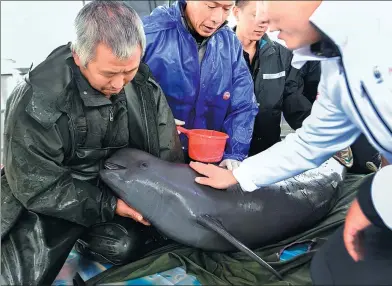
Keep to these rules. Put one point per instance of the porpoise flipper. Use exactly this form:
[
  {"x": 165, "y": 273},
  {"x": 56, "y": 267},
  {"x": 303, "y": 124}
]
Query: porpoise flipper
[{"x": 213, "y": 224}]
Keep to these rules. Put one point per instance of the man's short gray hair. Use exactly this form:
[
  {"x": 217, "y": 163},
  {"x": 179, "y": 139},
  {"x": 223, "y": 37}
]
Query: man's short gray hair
[{"x": 112, "y": 23}]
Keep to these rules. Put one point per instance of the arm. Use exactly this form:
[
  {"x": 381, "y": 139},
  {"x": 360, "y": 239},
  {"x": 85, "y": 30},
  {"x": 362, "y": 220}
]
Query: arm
[
  {"x": 296, "y": 107},
  {"x": 326, "y": 131},
  {"x": 33, "y": 164},
  {"x": 242, "y": 111},
  {"x": 372, "y": 206},
  {"x": 374, "y": 198},
  {"x": 169, "y": 142}
]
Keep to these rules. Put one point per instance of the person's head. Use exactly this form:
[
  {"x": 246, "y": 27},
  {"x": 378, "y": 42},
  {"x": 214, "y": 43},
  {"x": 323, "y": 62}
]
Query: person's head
[
  {"x": 291, "y": 18},
  {"x": 248, "y": 26},
  {"x": 207, "y": 16},
  {"x": 109, "y": 44}
]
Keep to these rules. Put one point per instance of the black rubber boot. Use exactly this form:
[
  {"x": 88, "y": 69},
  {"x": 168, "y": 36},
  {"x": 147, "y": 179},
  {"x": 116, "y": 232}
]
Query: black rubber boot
[{"x": 118, "y": 242}]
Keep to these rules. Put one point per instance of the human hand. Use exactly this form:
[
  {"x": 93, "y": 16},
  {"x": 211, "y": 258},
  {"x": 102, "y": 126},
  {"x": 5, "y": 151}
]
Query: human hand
[
  {"x": 124, "y": 210},
  {"x": 216, "y": 177},
  {"x": 355, "y": 223},
  {"x": 230, "y": 164},
  {"x": 179, "y": 123}
]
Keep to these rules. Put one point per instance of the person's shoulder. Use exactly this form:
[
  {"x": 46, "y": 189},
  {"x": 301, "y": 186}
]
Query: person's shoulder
[
  {"x": 228, "y": 40},
  {"x": 311, "y": 68},
  {"x": 20, "y": 97},
  {"x": 283, "y": 50},
  {"x": 49, "y": 85},
  {"x": 225, "y": 32}
]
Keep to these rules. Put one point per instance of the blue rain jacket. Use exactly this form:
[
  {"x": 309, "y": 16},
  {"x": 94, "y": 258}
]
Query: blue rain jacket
[{"x": 195, "y": 92}]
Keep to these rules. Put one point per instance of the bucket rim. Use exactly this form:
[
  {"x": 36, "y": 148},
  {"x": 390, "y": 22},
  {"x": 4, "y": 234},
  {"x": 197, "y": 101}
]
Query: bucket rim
[{"x": 218, "y": 134}]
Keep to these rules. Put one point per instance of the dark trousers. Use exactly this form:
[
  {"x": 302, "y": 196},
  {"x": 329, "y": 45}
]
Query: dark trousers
[
  {"x": 332, "y": 265},
  {"x": 36, "y": 248}
]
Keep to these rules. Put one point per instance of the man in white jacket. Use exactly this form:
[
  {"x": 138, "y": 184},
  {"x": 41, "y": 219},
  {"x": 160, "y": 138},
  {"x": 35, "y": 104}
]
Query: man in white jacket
[{"x": 353, "y": 41}]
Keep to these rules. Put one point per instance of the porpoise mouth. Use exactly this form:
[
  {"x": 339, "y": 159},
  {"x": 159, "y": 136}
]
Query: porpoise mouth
[{"x": 113, "y": 166}]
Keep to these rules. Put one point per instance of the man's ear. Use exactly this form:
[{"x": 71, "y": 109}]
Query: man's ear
[
  {"x": 235, "y": 12},
  {"x": 77, "y": 60}
]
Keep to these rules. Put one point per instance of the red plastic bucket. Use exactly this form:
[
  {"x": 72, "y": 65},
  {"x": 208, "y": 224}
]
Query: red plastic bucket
[{"x": 205, "y": 146}]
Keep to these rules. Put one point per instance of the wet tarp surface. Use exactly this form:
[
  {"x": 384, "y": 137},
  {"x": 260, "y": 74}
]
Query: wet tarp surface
[{"x": 88, "y": 269}]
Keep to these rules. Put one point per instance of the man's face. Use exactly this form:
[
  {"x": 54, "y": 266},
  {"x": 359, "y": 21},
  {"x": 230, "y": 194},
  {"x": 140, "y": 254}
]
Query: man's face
[
  {"x": 106, "y": 73},
  {"x": 291, "y": 19},
  {"x": 251, "y": 28},
  {"x": 207, "y": 16}
]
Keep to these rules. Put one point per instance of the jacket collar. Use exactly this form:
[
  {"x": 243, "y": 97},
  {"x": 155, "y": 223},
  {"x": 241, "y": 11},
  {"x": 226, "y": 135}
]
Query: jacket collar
[
  {"x": 90, "y": 96},
  {"x": 142, "y": 75},
  {"x": 267, "y": 47}
]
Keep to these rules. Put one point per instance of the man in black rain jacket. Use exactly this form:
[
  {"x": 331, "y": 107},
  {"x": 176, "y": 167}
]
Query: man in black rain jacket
[
  {"x": 74, "y": 110},
  {"x": 278, "y": 86}
]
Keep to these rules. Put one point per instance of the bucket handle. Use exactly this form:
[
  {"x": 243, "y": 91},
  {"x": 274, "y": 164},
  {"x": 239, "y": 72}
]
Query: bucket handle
[{"x": 183, "y": 130}]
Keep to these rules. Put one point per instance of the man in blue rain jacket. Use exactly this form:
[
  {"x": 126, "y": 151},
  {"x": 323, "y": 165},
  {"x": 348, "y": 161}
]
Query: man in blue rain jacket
[{"x": 198, "y": 62}]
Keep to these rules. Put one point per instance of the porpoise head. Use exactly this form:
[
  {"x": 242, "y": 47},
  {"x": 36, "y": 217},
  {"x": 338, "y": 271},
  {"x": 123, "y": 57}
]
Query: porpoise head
[{"x": 129, "y": 175}]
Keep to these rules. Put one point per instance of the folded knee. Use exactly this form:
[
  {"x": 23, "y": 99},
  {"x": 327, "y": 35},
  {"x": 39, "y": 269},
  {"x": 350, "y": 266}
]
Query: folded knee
[{"x": 111, "y": 243}]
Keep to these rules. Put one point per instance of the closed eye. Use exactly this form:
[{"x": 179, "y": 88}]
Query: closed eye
[{"x": 111, "y": 74}]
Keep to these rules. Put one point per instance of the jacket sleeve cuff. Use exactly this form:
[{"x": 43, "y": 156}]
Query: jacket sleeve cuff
[
  {"x": 242, "y": 177},
  {"x": 366, "y": 200}
]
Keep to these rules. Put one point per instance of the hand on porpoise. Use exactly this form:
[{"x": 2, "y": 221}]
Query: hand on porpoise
[
  {"x": 124, "y": 210},
  {"x": 216, "y": 177}
]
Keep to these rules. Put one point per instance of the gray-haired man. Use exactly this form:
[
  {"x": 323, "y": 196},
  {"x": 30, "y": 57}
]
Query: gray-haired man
[{"x": 85, "y": 101}]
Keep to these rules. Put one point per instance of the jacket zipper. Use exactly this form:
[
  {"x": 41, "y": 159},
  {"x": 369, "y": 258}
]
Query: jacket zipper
[
  {"x": 110, "y": 125},
  {"x": 111, "y": 121},
  {"x": 145, "y": 120},
  {"x": 111, "y": 115},
  {"x": 119, "y": 114}
]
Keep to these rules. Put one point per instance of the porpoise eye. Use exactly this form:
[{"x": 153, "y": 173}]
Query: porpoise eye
[{"x": 143, "y": 165}]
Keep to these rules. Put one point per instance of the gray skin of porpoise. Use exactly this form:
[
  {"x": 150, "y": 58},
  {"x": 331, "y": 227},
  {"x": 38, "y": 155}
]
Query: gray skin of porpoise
[{"x": 167, "y": 195}]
